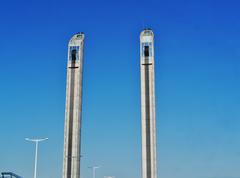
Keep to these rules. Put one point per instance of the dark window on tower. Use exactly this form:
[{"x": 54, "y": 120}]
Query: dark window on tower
[
  {"x": 146, "y": 51},
  {"x": 74, "y": 55}
]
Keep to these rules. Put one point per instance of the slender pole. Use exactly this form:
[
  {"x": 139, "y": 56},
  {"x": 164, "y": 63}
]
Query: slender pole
[
  {"x": 36, "y": 153},
  {"x": 108, "y": 176},
  {"x": 94, "y": 170},
  {"x": 36, "y": 157}
]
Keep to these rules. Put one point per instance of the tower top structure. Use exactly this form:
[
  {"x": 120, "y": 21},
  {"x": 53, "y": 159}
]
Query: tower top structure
[
  {"x": 77, "y": 39},
  {"x": 147, "y": 35},
  {"x": 147, "y": 46}
]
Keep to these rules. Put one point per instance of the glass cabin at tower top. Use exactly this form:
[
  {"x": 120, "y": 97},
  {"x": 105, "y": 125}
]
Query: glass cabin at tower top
[{"x": 147, "y": 52}]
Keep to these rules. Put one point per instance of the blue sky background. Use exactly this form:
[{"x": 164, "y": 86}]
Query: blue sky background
[{"x": 197, "y": 48}]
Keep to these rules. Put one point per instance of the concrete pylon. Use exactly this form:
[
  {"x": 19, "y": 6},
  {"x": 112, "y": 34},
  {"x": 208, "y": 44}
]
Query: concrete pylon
[
  {"x": 148, "y": 116},
  {"x": 73, "y": 110}
]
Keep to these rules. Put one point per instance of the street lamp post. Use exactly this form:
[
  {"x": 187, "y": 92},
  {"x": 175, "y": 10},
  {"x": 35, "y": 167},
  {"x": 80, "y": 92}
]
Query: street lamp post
[
  {"x": 109, "y": 176},
  {"x": 36, "y": 152},
  {"x": 94, "y": 170}
]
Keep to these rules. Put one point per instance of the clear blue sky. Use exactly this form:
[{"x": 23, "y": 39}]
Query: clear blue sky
[{"x": 197, "y": 48}]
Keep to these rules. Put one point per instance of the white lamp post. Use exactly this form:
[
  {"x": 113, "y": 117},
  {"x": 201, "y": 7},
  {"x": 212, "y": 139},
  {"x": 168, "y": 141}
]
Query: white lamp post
[
  {"x": 36, "y": 152},
  {"x": 94, "y": 170},
  {"x": 109, "y": 176}
]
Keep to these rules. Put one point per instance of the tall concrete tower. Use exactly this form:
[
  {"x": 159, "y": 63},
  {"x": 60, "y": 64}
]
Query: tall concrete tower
[
  {"x": 73, "y": 110},
  {"x": 149, "y": 164}
]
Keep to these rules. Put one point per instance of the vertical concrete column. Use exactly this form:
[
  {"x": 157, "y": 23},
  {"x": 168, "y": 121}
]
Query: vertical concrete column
[
  {"x": 148, "y": 116},
  {"x": 73, "y": 110}
]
